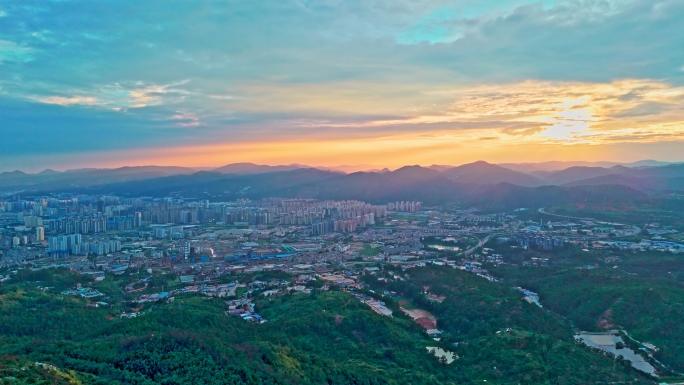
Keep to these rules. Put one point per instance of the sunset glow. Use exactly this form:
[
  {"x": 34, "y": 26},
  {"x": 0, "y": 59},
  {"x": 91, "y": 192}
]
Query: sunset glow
[{"x": 357, "y": 84}]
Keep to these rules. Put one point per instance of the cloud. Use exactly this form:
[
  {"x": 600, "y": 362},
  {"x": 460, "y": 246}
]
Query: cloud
[
  {"x": 223, "y": 97},
  {"x": 186, "y": 119},
  {"x": 118, "y": 97},
  {"x": 63, "y": 128},
  {"x": 644, "y": 109},
  {"x": 227, "y": 42},
  {"x": 65, "y": 101},
  {"x": 12, "y": 52},
  {"x": 544, "y": 72}
]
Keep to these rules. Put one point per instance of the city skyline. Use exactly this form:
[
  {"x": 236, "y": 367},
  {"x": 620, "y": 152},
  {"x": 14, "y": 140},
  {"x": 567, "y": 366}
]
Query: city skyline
[{"x": 327, "y": 83}]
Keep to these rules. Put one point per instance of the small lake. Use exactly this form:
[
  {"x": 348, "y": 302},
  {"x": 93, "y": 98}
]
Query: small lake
[
  {"x": 607, "y": 341},
  {"x": 440, "y": 353}
]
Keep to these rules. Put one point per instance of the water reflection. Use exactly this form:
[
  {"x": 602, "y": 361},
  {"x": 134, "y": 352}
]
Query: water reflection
[{"x": 608, "y": 341}]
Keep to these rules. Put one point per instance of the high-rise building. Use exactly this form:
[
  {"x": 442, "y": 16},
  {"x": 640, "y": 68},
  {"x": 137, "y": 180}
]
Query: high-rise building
[
  {"x": 33, "y": 221},
  {"x": 40, "y": 234},
  {"x": 159, "y": 232},
  {"x": 320, "y": 226}
]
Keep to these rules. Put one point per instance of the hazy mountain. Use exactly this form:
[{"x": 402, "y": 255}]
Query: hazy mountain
[
  {"x": 647, "y": 179},
  {"x": 641, "y": 184},
  {"x": 648, "y": 163},
  {"x": 440, "y": 167},
  {"x": 559, "y": 165},
  {"x": 54, "y": 180},
  {"x": 346, "y": 168},
  {"x": 572, "y": 174},
  {"x": 251, "y": 168},
  {"x": 14, "y": 176},
  {"x": 533, "y": 168},
  {"x": 48, "y": 172},
  {"x": 507, "y": 195},
  {"x": 412, "y": 183},
  {"x": 475, "y": 183},
  {"x": 668, "y": 171},
  {"x": 486, "y": 173},
  {"x": 133, "y": 170}
]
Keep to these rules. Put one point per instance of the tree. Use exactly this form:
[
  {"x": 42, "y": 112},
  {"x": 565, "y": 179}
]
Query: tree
[{"x": 93, "y": 259}]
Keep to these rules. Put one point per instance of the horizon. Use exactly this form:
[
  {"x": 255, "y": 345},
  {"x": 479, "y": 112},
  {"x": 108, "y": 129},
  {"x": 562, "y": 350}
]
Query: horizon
[
  {"x": 316, "y": 82},
  {"x": 351, "y": 167}
]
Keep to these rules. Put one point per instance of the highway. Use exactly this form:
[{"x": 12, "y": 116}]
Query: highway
[
  {"x": 542, "y": 210},
  {"x": 482, "y": 242},
  {"x": 634, "y": 229}
]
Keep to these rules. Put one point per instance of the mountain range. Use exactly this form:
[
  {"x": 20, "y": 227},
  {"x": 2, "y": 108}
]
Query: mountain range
[{"x": 476, "y": 183}]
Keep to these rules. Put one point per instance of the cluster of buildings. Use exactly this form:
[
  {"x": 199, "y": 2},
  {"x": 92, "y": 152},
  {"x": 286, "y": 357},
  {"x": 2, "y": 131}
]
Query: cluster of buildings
[
  {"x": 643, "y": 245},
  {"x": 409, "y": 207},
  {"x": 215, "y": 290},
  {"x": 84, "y": 292},
  {"x": 245, "y": 235},
  {"x": 338, "y": 280},
  {"x": 61, "y": 246},
  {"x": 94, "y": 223},
  {"x": 62, "y": 226},
  {"x": 154, "y": 297},
  {"x": 530, "y": 296},
  {"x": 95, "y": 215},
  {"x": 537, "y": 262},
  {"x": 244, "y": 308},
  {"x": 543, "y": 242},
  {"x": 377, "y": 306}
]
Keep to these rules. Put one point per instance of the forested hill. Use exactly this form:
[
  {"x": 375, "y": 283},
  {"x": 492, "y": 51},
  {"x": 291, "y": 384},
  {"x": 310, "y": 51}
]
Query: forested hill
[{"x": 317, "y": 338}]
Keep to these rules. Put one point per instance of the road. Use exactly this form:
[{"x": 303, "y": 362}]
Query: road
[
  {"x": 542, "y": 211},
  {"x": 482, "y": 242},
  {"x": 634, "y": 230}
]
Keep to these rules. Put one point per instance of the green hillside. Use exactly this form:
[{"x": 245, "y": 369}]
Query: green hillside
[{"x": 318, "y": 338}]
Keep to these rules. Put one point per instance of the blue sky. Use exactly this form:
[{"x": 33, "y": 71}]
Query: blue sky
[{"x": 111, "y": 82}]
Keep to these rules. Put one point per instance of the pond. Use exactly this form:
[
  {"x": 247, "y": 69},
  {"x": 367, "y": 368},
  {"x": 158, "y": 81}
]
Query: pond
[
  {"x": 607, "y": 342},
  {"x": 442, "y": 354}
]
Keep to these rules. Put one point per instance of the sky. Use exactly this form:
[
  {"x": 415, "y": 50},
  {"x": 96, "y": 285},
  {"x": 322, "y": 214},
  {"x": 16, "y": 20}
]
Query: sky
[{"x": 100, "y": 83}]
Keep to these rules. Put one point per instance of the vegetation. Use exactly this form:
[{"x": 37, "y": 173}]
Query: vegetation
[
  {"x": 16, "y": 370},
  {"x": 323, "y": 337},
  {"x": 500, "y": 337},
  {"x": 650, "y": 309},
  {"x": 598, "y": 290},
  {"x": 369, "y": 251},
  {"x": 667, "y": 212}
]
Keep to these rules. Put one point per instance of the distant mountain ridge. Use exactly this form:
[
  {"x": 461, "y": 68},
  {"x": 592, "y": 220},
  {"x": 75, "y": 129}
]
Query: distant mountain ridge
[
  {"x": 481, "y": 172},
  {"x": 561, "y": 165},
  {"x": 648, "y": 179},
  {"x": 55, "y": 180},
  {"x": 251, "y": 168},
  {"x": 407, "y": 183},
  {"x": 572, "y": 174}
]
